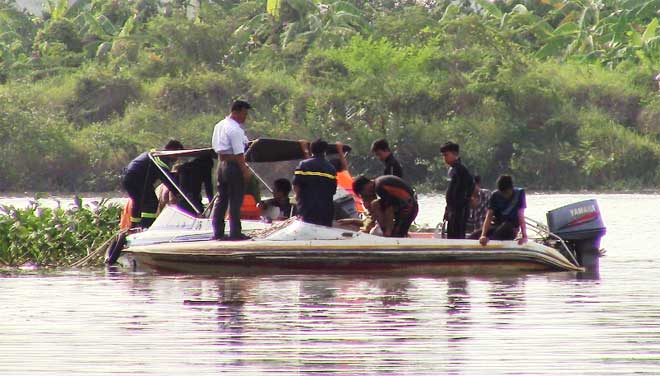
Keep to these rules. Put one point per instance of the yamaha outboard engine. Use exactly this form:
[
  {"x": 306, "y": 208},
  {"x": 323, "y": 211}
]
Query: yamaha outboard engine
[
  {"x": 344, "y": 205},
  {"x": 581, "y": 226}
]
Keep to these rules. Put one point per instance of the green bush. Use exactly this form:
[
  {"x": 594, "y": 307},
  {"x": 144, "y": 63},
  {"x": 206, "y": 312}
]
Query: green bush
[
  {"x": 613, "y": 153},
  {"x": 59, "y": 30},
  {"x": 205, "y": 92},
  {"x": 99, "y": 97},
  {"x": 44, "y": 236}
]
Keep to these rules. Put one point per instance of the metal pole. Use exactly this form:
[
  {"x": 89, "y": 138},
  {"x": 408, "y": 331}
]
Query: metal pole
[{"x": 169, "y": 178}]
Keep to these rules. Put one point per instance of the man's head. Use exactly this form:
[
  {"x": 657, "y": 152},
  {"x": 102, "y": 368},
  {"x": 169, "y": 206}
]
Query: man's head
[
  {"x": 449, "y": 152},
  {"x": 505, "y": 184},
  {"x": 477, "y": 182},
  {"x": 173, "y": 145},
  {"x": 365, "y": 188},
  {"x": 318, "y": 147},
  {"x": 239, "y": 111},
  {"x": 282, "y": 189},
  {"x": 381, "y": 149}
]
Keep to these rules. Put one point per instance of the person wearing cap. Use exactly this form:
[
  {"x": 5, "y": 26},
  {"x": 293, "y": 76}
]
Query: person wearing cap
[
  {"x": 138, "y": 181},
  {"x": 315, "y": 184},
  {"x": 381, "y": 149},
  {"x": 459, "y": 191},
  {"x": 229, "y": 141},
  {"x": 391, "y": 202}
]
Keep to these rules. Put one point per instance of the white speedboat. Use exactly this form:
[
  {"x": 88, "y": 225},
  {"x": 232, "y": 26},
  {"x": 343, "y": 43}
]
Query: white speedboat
[
  {"x": 297, "y": 247},
  {"x": 182, "y": 242}
]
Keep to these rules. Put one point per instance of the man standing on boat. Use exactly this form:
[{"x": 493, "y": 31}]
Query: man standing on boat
[
  {"x": 391, "y": 202},
  {"x": 315, "y": 184},
  {"x": 381, "y": 149},
  {"x": 229, "y": 141},
  {"x": 138, "y": 181},
  {"x": 458, "y": 193}
]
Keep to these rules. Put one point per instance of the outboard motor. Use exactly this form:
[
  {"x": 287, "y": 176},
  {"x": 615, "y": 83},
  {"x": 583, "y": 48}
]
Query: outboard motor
[
  {"x": 581, "y": 226},
  {"x": 344, "y": 205}
]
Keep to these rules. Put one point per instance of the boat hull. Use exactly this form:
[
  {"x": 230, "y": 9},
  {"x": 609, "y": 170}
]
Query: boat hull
[{"x": 254, "y": 258}]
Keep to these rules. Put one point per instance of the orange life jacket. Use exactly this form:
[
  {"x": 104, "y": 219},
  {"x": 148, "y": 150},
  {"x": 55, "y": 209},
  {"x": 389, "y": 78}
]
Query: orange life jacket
[
  {"x": 249, "y": 209},
  {"x": 345, "y": 180},
  {"x": 125, "y": 219}
]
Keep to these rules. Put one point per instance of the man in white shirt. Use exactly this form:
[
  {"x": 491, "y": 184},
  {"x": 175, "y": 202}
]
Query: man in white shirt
[{"x": 229, "y": 141}]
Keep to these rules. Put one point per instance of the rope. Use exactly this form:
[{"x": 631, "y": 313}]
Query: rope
[{"x": 97, "y": 253}]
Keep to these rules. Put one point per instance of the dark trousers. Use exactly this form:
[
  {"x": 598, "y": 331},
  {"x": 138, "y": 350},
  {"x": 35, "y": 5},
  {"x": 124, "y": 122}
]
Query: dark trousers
[
  {"x": 231, "y": 188},
  {"x": 403, "y": 219},
  {"x": 145, "y": 202},
  {"x": 500, "y": 231},
  {"x": 456, "y": 222}
]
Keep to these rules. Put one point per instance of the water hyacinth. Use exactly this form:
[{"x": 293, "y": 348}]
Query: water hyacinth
[{"x": 44, "y": 236}]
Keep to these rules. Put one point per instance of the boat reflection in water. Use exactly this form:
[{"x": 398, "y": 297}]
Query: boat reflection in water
[{"x": 319, "y": 325}]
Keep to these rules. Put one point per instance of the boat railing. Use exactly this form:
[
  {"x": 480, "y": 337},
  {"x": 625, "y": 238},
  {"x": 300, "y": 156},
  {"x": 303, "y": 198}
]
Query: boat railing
[{"x": 544, "y": 232}]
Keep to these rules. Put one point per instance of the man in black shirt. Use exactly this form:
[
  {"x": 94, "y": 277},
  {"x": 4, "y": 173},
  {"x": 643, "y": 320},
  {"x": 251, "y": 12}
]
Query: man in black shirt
[
  {"x": 194, "y": 175},
  {"x": 458, "y": 193},
  {"x": 315, "y": 184},
  {"x": 138, "y": 181},
  {"x": 381, "y": 150},
  {"x": 391, "y": 201}
]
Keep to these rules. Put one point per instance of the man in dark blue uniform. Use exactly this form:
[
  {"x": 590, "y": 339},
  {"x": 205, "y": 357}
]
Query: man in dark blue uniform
[
  {"x": 459, "y": 191},
  {"x": 138, "y": 181},
  {"x": 315, "y": 184}
]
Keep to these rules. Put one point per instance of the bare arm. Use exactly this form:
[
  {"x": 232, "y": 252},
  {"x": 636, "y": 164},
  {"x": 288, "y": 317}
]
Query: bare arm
[
  {"x": 240, "y": 158},
  {"x": 484, "y": 230},
  {"x": 296, "y": 191},
  {"x": 523, "y": 226},
  {"x": 342, "y": 156}
]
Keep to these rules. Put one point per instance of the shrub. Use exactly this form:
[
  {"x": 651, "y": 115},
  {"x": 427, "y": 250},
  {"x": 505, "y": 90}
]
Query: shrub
[
  {"x": 97, "y": 98},
  {"x": 46, "y": 236},
  {"x": 614, "y": 153},
  {"x": 59, "y": 30},
  {"x": 205, "y": 92}
]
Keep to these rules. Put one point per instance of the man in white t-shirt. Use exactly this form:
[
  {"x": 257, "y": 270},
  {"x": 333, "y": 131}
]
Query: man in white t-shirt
[{"x": 229, "y": 141}]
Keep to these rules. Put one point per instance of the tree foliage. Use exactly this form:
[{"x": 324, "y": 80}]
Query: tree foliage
[{"x": 559, "y": 93}]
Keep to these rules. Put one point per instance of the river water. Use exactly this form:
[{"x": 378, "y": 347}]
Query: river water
[{"x": 113, "y": 322}]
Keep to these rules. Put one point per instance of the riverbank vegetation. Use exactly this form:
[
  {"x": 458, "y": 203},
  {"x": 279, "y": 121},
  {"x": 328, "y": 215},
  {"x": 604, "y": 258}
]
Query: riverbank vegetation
[
  {"x": 560, "y": 93},
  {"x": 42, "y": 236}
]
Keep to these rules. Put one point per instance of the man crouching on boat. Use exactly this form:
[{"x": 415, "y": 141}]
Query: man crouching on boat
[
  {"x": 138, "y": 181},
  {"x": 393, "y": 203},
  {"x": 506, "y": 213}
]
